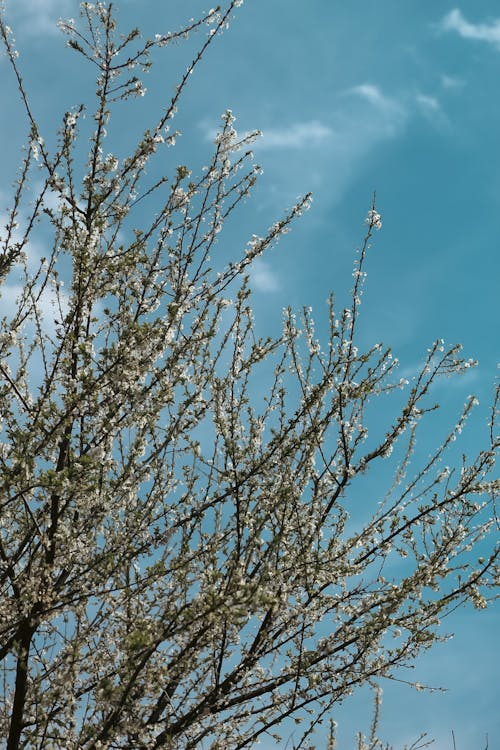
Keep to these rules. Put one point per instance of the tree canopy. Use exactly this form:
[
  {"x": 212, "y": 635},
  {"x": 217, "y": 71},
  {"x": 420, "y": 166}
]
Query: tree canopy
[{"x": 190, "y": 552}]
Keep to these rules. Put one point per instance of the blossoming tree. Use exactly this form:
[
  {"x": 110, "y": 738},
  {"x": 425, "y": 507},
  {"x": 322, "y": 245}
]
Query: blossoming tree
[{"x": 181, "y": 561}]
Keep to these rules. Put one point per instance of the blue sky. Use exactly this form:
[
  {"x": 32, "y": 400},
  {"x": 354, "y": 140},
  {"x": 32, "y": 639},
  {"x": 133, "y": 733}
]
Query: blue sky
[{"x": 398, "y": 96}]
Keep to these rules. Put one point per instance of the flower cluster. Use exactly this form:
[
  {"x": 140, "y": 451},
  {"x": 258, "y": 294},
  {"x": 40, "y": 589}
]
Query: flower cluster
[{"x": 373, "y": 219}]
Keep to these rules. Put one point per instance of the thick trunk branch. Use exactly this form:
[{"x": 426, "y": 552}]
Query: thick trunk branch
[{"x": 25, "y": 634}]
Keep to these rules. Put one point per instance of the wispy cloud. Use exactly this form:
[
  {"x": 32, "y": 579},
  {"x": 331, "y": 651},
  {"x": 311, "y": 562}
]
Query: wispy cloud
[
  {"x": 451, "y": 82},
  {"x": 35, "y": 17},
  {"x": 355, "y": 123},
  {"x": 297, "y": 135},
  {"x": 391, "y": 113},
  {"x": 48, "y": 305},
  {"x": 430, "y": 107},
  {"x": 428, "y": 103},
  {"x": 373, "y": 95},
  {"x": 484, "y": 32},
  {"x": 263, "y": 278}
]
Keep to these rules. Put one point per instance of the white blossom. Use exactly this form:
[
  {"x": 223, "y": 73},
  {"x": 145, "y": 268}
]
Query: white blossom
[{"x": 374, "y": 219}]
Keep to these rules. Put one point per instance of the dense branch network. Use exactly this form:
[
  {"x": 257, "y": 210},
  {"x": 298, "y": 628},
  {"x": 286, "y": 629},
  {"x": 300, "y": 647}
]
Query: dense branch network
[{"x": 189, "y": 558}]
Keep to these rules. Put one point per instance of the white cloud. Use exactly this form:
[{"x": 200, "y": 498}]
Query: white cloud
[
  {"x": 369, "y": 92},
  {"x": 485, "y": 32},
  {"x": 388, "y": 113},
  {"x": 394, "y": 112},
  {"x": 297, "y": 135},
  {"x": 451, "y": 82},
  {"x": 48, "y": 304},
  {"x": 430, "y": 107},
  {"x": 35, "y": 17},
  {"x": 428, "y": 103},
  {"x": 35, "y": 248},
  {"x": 358, "y": 121},
  {"x": 374, "y": 96},
  {"x": 263, "y": 278}
]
